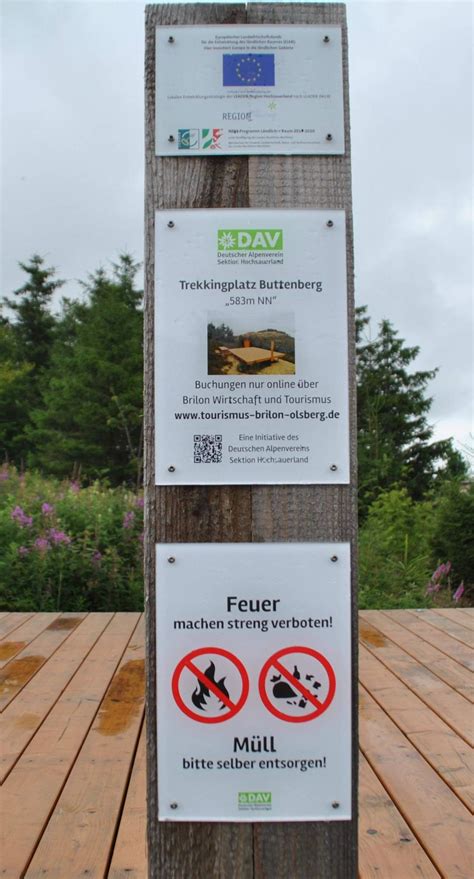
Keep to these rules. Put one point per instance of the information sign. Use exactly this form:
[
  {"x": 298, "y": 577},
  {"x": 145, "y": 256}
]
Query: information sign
[
  {"x": 254, "y": 690},
  {"x": 274, "y": 89},
  {"x": 251, "y": 373}
]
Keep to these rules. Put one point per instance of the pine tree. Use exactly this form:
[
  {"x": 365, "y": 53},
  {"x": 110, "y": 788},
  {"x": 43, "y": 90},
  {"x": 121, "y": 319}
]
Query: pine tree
[
  {"x": 91, "y": 413},
  {"x": 395, "y": 446},
  {"x": 34, "y": 324}
]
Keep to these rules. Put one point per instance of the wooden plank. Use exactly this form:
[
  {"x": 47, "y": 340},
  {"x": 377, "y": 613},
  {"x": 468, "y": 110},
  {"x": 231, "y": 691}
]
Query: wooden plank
[
  {"x": 453, "y": 708},
  {"x": 3, "y": 614},
  {"x": 447, "y": 753},
  {"x": 39, "y": 775},
  {"x": 80, "y": 833},
  {"x": 435, "y": 815},
  {"x": 12, "y": 621},
  {"x": 18, "y": 671},
  {"x": 448, "y": 670},
  {"x": 24, "y": 635},
  {"x": 129, "y": 859},
  {"x": 27, "y": 712},
  {"x": 387, "y": 847},
  {"x": 439, "y": 639},
  {"x": 456, "y": 614},
  {"x": 450, "y": 626}
]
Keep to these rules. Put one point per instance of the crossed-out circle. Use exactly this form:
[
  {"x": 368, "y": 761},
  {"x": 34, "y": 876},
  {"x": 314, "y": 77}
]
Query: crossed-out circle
[
  {"x": 274, "y": 663},
  {"x": 187, "y": 663}
]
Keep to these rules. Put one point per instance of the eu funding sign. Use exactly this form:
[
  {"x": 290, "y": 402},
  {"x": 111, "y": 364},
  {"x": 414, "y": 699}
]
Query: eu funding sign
[
  {"x": 254, "y": 691},
  {"x": 251, "y": 371},
  {"x": 249, "y": 89}
]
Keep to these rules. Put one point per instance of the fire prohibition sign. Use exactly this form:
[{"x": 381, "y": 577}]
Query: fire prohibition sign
[
  {"x": 210, "y": 685},
  {"x": 296, "y": 691}
]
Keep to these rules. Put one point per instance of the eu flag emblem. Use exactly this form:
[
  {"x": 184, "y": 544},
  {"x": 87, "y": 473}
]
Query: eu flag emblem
[{"x": 249, "y": 69}]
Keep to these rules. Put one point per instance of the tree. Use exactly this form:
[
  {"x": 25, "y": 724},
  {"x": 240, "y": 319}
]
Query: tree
[
  {"x": 395, "y": 444},
  {"x": 34, "y": 324},
  {"x": 91, "y": 413}
]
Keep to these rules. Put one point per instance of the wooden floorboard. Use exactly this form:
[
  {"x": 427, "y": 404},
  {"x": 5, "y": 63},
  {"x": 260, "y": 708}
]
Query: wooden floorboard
[{"x": 72, "y": 747}]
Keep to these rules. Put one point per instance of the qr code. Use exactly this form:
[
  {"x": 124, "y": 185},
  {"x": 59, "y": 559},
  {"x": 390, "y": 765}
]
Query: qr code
[{"x": 207, "y": 448}]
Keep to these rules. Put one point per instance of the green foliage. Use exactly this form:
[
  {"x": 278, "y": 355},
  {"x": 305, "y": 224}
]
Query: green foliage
[
  {"x": 90, "y": 414},
  {"x": 395, "y": 447},
  {"x": 453, "y": 535},
  {"x": 67, "y": 548},
  {"x": 395, "y": 552}
]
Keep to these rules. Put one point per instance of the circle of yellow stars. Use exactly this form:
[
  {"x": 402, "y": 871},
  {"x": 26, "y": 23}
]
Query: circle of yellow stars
[{"x": 249, "y": 78}]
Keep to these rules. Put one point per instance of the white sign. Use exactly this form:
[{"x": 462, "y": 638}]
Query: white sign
[
  {"x": 254, "y": 682},
  {"x": 274, "y": 89},
  {"x": 251, "y": 347}
]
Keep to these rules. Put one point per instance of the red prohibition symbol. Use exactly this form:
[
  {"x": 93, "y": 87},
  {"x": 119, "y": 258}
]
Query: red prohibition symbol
[
  {"x": 209, "y": 685},
  {"x": 295, "y": 685}
]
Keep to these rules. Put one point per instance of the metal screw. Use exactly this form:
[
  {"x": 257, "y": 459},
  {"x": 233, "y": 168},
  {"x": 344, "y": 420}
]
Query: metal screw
[
  {"x": 330, "y": 224},
  {"x": 329, "y": 137},
  {"x": 171, "y": 559},
  {"x": 333, "y": 467},
  {"x": 326, "y": 39},
  {"x": 171, "y": 138},
  {"x": 171, "y": 469},
  {"x": 171, "y": 226},
  {"x": 334, "y": 558},
  {"x": 170, "y": 39},
  {"x": 173, "y": 805},
  {"x": 335, "y": 804}
]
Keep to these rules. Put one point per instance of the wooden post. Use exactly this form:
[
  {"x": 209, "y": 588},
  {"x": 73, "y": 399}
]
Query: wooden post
[{"x": 244, "y": 513}]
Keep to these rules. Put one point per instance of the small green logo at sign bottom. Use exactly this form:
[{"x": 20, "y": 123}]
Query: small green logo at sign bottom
[{"x": 255, "y": 799}]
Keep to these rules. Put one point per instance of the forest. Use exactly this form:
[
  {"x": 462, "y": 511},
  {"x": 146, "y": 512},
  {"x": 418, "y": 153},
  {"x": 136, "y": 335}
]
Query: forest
[{"x": 71, "y": 446}]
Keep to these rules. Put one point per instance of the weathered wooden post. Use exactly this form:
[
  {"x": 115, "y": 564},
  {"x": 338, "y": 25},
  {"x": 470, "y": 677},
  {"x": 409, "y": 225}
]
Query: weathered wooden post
[{"x": 314, "y": 511}]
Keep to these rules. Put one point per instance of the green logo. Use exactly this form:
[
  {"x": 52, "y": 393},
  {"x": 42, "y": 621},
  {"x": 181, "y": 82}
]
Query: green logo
[
  {"x": 249, "y": 239},
  {"x": 255, "y": 798}
]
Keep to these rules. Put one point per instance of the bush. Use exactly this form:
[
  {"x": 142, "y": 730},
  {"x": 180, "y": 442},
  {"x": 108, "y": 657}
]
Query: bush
[
  {"x": 69, "y": 548},
  {"x": 453, "y": 536},
  {"x": 395, "y": 552}
]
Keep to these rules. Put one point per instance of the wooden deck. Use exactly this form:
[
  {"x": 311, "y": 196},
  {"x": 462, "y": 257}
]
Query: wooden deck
[{"x": 72, "y": 752}]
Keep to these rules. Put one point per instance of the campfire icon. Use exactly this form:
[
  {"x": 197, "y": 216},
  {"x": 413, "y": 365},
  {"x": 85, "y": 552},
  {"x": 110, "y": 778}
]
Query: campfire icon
[{"x": 201, "y": 696}]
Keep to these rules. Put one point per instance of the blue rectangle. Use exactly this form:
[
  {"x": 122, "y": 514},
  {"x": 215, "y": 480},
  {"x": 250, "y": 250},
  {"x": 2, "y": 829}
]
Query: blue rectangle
[{"x": 248, "y": 70}]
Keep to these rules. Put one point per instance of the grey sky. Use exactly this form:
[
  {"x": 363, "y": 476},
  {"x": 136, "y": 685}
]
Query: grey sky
[{"x": 72, "y": 162}]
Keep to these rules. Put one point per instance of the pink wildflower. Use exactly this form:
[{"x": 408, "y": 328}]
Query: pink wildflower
[
  {"x": 4, "y": 474},
  {"x": 19, "y": 516},
  {"x": 128, "y": 519},
  {"x": 139, "y": 502},
  {"x": 42, "y": 544},
  {"x": 23, "y": 550},
  {"x": 74, "y": 486},
  {"x": 96, "y": 559},
  {"x": 47, "y": 509},
  {"x": 459, "y": 592},
  {"x": 58, "y": 536},
  {"x": 141, "y": 537}
]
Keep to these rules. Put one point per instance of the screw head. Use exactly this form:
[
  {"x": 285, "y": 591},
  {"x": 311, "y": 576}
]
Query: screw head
[
  {"x": 171, "y": 469},
  {"x": 170, "y": 39},
  {"x": 173, "y": 805},
  {"x": 171, "y": 139},
  {"x": 333, "y": 467},
  {"x": 329, "y": 137},
  {"x": 326, "y": 39},
  {"x": 171, "y": 226},
  {"x": 330, "y": 224},
  {"x": 335, "y": 804},
  {"x": 334, "y": 558},
  {"x": 171, "y": 560}
]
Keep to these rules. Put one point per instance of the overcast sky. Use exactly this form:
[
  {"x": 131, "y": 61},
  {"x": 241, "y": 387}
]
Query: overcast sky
[{"x": 72, "y": 162}]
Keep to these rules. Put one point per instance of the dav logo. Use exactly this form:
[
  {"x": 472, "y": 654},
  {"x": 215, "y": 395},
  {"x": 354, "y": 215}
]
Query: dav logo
[
  {"x": 250, "y": 239},
  {"x": 255, "y": 800}
]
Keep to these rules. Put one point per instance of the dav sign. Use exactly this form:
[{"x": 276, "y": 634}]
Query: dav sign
[
  {"x": 249, "y": 239},
  {"x": 255, "y": 800}
]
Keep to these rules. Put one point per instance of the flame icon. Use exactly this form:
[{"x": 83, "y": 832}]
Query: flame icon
[{"x": 201, "y": 693}]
